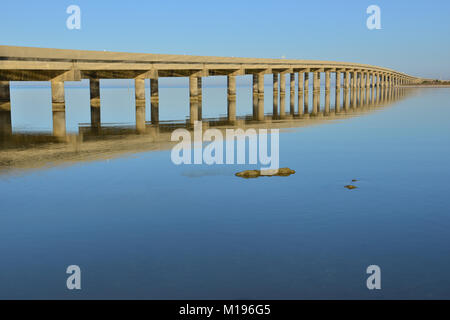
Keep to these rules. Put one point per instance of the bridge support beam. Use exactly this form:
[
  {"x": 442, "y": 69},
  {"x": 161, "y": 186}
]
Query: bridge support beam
[
  {"x": 154, "y": 100},
  {"x": 199, "y": 98},
  {"x": 359, "y": 91},
  {"x": 260, "y": 106},
  {"x": 327, "y": 92},
  {"x": 316, "y": 92},
  {"x": 5, "y": 108},
  {"x": 353, "y": 91},
  {"x": 282, "y": 94},
  {"x": 362, "y": 89},
  {"x": 306, "y": 94},
  {"x": 139, "y": 88},
  {"x": 231, "y": 98},
  {"x": 292, "y": 93},
  {"x": 94, "y": 88},
  {"x": 193, "y": 99},
  {"x": 346, "y": 90},
  {"x": 367, "y": 87},
  {"x": 300, "y": 79},
  {"x": 255, "y": 95},
  {"x": 275, "y": 94},
  {"x": 380, "y": 94},
  {"x": 58, "y": 108},
  {"x": 337, "y": 99},
  {"x": 379, "y": 88}
]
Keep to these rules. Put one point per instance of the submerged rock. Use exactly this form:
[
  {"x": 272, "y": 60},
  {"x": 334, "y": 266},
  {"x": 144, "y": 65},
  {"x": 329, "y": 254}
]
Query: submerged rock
[
  {"x": 282, "y": 172},
  {"x": 249, "y": 174},
  {"x": 350, "y": 187},
  {"x": 285, "y": 172}
]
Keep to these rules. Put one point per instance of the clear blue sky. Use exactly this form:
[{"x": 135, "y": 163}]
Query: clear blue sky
[{"x": 415, "y": 35}]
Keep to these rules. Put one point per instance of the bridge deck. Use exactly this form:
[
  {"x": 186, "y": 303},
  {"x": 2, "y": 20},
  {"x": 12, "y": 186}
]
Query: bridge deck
[{"x": 21, "y": 63}]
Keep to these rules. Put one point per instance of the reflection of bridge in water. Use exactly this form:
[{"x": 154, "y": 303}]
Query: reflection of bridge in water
[
  {"x": 27, "y": 151},
  {"x": 356, "y": 84}
]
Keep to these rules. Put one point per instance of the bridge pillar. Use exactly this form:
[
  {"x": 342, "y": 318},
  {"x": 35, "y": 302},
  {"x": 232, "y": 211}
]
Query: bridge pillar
[
  {"x": 193, "y": 99},
  {"x": 259, "y": 97},
  {"x": 261, "y": 84},
  {"x": 94, "y": 88},
  {"x": 5, "y": 109},
  {"x": 367, "y": 87},
  {"x": 358, "y": 88},
  {"x": 306, "y": 94},
  {"x": 372, "y": 89},
  {"x": 387, "y": 91},
  {"x": 231, "y": 99},
  {"x": 361, "y": 88},
  {"x": 292, "y": 94},
  {"x": 327, "y": 92},
  {"x": 260, "y": 108},
  {"x": 337, "y": 99},
  {"x": 316, "y": 92},
  {"x": 58, "y": 108},
  {"x": 154, "y": 100},
  {"x": 346, "y": 89},
  {"x": 258, "y": 91},
  {"x": 199, "y": 98},
  {"x": 282, "y": 94},
  {"x": 353, "y": 90},
  {"x": 377, "y": 86},
  {"x": 139, "y": 88},
  {"x": 275, "y": 94},
  {"x": 382, "y": 81},
  {"x": 300, "y": 80}
]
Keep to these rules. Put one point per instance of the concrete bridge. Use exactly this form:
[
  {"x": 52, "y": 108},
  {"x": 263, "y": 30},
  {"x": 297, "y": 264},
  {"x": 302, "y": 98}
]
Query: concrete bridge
[{"x": 57, "y": 66}]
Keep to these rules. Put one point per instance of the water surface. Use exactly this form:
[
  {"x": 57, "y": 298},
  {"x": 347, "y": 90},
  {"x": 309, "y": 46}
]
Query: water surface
[{"x": 141, "y": 227}]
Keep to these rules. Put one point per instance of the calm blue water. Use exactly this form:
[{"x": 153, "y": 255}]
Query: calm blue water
[{"x": 141, "y": 227}]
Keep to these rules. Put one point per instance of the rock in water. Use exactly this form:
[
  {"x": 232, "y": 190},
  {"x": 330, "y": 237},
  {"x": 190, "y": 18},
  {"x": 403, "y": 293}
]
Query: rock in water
[
  {"x": 282, "y": 172},
  {"x": 249, "y": 174},
  {"x": 350, "y": 187},
  {"x": 285, "y": 172}
]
